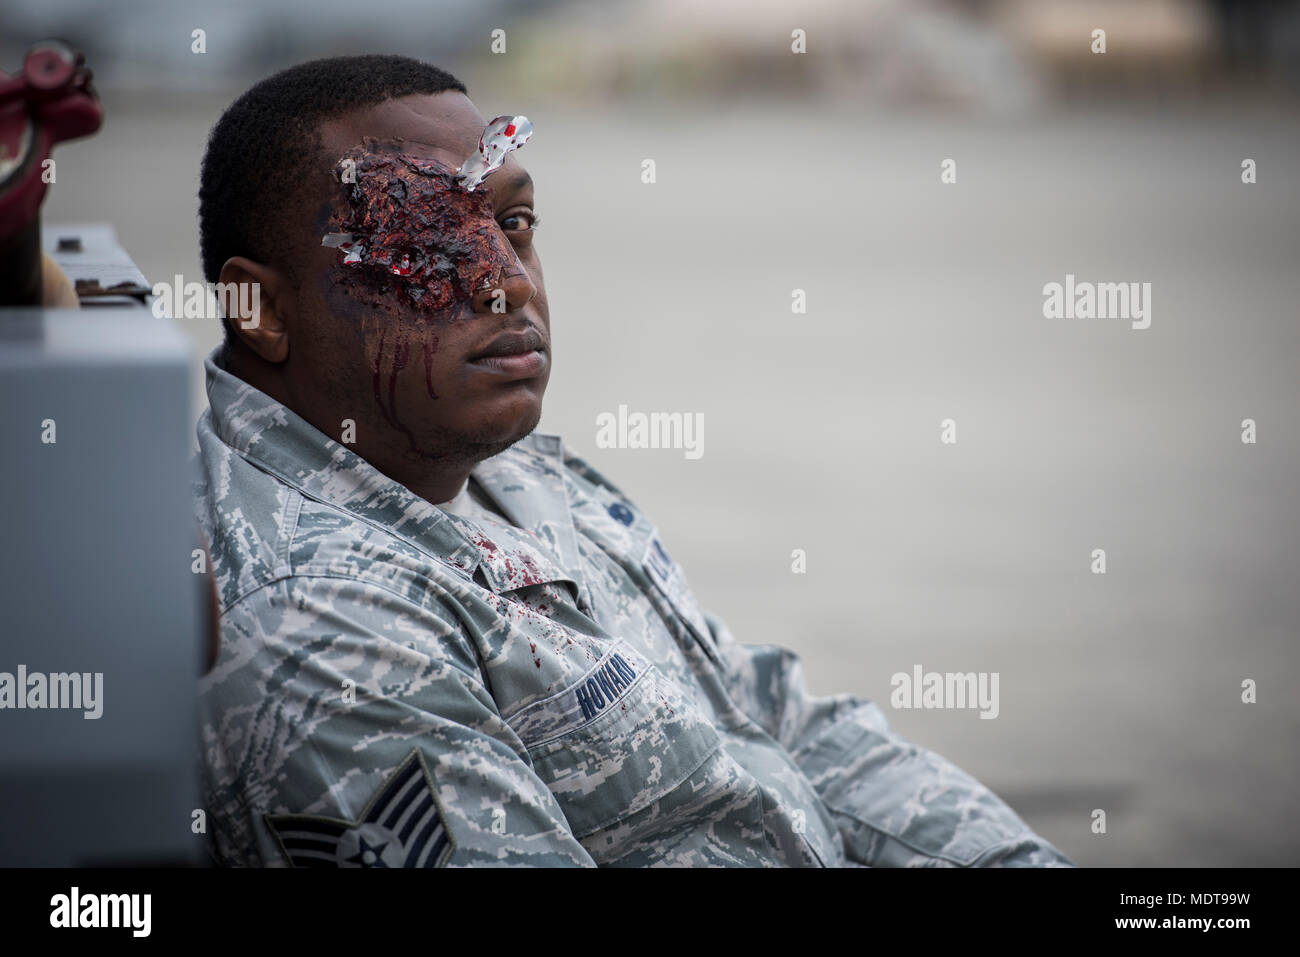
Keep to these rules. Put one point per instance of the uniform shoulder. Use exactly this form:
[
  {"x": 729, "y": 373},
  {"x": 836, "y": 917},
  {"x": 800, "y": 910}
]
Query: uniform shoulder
[{"x": 241, "y": 510}]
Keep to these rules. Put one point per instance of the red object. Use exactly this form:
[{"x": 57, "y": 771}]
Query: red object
[{"x": 49, "y": 101}]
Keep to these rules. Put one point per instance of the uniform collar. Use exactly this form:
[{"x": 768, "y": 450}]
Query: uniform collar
[{"x": 526, "y": 481}]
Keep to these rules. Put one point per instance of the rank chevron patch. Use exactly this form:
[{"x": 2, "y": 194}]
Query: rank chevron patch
[{"x": 400, "y": 827}]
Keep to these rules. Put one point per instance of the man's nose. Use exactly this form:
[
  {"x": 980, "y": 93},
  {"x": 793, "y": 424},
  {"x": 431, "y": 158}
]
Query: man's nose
[
  {"x": 507, "y": 294},
  {"x": 510, "y": 290}
]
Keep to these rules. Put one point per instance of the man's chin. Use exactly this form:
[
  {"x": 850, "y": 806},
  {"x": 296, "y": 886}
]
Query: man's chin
[
  {"x": 482, "y": 441},
  {"x": 486, "y": 448}
]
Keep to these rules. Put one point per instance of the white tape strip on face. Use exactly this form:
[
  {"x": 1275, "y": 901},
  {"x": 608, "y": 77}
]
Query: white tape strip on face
[{"x": 502, "y": 135}]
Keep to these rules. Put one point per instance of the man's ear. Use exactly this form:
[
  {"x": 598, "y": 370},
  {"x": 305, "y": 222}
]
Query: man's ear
[{"x": 256, "y": 299}]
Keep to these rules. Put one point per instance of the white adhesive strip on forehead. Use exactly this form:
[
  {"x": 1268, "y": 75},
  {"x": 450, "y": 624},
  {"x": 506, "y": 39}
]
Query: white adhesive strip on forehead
[{"x": 502, "y": 135}]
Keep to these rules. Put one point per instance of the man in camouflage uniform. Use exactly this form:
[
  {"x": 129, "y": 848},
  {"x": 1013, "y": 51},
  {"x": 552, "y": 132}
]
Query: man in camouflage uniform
[{"x": 482, "y": 653}]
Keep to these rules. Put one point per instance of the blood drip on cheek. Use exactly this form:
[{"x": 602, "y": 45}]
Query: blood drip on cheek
[
  {"x": 391, "y": 344},
  {"x": 420, "y": 246}
]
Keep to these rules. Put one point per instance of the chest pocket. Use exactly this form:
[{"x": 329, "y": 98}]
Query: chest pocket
[{"x": 616, "y": 741}]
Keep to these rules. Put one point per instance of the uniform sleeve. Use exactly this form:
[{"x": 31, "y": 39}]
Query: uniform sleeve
[
  {"x": 345, "y": 724},
  {"x": 895, "y": 804}
]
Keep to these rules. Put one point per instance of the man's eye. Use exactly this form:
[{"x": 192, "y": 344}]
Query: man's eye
[{"x": 521, "y": 222}]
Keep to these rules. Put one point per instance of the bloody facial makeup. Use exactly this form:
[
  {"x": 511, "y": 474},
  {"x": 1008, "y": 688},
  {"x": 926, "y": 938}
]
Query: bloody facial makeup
[
  {"x": 415, "y": 232},
  {"x": 414, "y": 322},
  {"x": 415, "y": 248}
]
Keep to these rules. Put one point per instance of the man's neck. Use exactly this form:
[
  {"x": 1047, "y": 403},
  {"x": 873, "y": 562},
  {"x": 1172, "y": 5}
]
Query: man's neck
[
  {"x": 434, "y": 482},
  {"x": 435, "y": 478}
]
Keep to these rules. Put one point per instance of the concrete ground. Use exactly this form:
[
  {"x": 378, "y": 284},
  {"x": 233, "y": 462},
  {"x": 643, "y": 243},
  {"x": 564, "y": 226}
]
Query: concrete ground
[{"x": 1119, "y": 692}]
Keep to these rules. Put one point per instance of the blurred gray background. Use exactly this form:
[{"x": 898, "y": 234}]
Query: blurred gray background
[{"x": 821, "y": 172}]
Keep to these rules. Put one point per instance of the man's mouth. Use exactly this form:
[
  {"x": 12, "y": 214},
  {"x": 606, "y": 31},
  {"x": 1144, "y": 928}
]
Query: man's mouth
[{"x": 515, "y": 355}]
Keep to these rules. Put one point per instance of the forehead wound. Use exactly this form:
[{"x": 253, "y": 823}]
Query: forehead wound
[{"x": 414, "y": 224}]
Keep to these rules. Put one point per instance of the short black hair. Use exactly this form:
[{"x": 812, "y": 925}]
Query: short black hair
[{"x": 261, "y": 149}]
